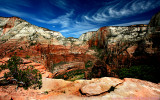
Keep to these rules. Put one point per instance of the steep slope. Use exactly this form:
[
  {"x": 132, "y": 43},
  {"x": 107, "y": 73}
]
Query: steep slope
[
  {"x": 114, "y": 34},
  {"x": 124, "y": 47},
  {"x": 16, "y": 28},
  {"x": 39, "y": 44}
]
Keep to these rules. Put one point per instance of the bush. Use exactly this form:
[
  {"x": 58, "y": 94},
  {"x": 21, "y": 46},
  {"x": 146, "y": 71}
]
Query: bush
[
  {"x": 52, "y": 66},
  {"x": 144, "y": 72},
  {"x": 3, "y": 67},
  {"x": 28, "y": 76},
  {"x": 71, "y": 74},
  {"x": 27, "y": 57},
  {"x": 32, "y": 44},
  {"x": 88, "y": 64},
  {"x": 20, "y": 48}
]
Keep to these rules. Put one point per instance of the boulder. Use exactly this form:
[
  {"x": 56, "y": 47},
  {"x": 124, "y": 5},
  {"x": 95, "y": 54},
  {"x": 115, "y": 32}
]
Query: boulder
[
  {"x": 99, "y": 86},
  {"x": 135, "y": 89}
]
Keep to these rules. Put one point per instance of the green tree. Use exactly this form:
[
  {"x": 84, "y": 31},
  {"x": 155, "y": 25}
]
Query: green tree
[{"x": 26, "y": 76}]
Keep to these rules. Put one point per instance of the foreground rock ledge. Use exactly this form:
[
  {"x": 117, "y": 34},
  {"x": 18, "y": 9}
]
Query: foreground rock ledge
[{"x": 95, "y": 89}]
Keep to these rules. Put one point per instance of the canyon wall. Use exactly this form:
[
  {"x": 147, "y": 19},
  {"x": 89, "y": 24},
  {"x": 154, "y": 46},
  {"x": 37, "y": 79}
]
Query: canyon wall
[{"x": 121, "y": 46}]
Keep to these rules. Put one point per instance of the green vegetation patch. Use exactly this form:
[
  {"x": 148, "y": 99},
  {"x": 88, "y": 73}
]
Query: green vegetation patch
[
  {"x": 88, "y": 64},
  {"x": 27, "y": 56},
  {"x": 20, "y": 48},
  {"x": 72, "y": 75},
  {"x": 144, "y": 72},
  {"x": 33, "y": 43},
  {"x": 25, "y": 76},
  {"x": 81, "y": 76},
  {"x": 57, "y": 64}
]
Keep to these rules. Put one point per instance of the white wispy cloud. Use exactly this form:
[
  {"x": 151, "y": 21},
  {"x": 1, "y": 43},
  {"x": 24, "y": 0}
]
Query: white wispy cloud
[
  {"x": 133, "y": 23},
  {"x": 109, "y": 12},
  {"x": 78, "y": 28},
  {"x": 59, "y": 3},
  {"x": 77, "y": 34},
  {"x": 14, "y": 12},
  {"x": 64, "y": 31},
  {"x": 63, "y": 20}
]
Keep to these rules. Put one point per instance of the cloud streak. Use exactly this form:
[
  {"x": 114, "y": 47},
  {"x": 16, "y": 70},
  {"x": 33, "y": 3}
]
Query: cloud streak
[
  {"x": 117, "y": 11},
  {"x": 78, "y": 28},
  {"x": 14, "y": 13},
  {"x": 63, "y": 20},
  {"x": 59, "y": 3}
]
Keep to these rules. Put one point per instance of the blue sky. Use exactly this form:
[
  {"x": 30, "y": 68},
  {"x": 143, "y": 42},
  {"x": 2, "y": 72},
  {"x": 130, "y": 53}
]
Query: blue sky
[{"x": 74, "y": 17}]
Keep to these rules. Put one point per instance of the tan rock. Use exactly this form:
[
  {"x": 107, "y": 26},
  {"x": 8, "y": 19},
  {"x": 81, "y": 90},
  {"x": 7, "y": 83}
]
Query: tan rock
[
  {"x": 95, "y": 88},
  {"x": 5, "y": 59},
  {"x": 99, "y": 86},
  {"x": 3, "y": 72},
  {"x": 25, "y": 61},
  {"x": 53, "y": 84},
  {"x": 5, "y": 96},
  {"x": 58, "y": 89},
  {"x": 135, "y": 89}
]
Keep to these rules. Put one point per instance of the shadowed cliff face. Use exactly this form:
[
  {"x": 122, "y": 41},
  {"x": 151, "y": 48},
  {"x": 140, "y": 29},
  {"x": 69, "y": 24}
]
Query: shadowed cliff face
[{"x": 155, "y": 21}]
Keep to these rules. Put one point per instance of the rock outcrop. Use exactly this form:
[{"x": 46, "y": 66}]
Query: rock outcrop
[
  {"x": 95, "y": 89},
  {"x": 16, "y": 28}
]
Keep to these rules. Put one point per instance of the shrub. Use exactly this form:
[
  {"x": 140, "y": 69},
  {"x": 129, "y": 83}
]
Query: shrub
[
  {"x": 52, "y": 66},
  {"x": 45, "y": 92},
  {"x": 27, "y": 57},
  {"x": 144, "y": 72},
  {"x": 69, "y": 75},
  {"x": 88, "y": 64},
  {"x": 32, "y": 43},
  {"x": 20, "y": 48},
  {"x": 28, "y": 76},
  {"x": 3, "y": 67}
]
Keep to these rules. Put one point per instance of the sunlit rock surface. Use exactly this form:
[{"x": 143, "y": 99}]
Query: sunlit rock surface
[
  {"x": 60, "y": 89},
  {"x": 42, "y": 45}
]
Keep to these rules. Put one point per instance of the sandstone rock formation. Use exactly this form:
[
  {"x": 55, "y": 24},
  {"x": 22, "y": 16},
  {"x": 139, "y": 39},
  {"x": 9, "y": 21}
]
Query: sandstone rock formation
[
  {"x": 50, "y": 47},
  {"x": 39, "y": 44},
  {"x": 130, "y": 89},
  {"x": 126, "y": 46}
]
